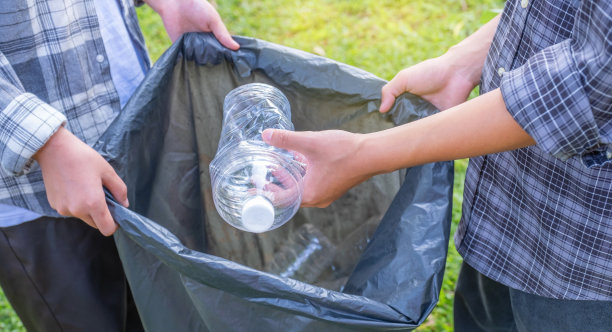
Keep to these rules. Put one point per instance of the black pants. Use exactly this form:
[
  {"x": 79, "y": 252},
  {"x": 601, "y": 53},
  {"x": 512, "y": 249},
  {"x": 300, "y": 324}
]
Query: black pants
[
  {"x": 482, "y": 304},
  {"x": 62, "y": 275}
]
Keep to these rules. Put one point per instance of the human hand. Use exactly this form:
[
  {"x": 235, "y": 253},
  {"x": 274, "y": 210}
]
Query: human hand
[
  {"x": 74, "y": 175},
  {"x": 281, "y": 189},
  {"x": 439, "y": 80},
  {"x": 332, "y": 163},
  {"x": 447, "y": 80},
  {"x": 180, "y": 16}
]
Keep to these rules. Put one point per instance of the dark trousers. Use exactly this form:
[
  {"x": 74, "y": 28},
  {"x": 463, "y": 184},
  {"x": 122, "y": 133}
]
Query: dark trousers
[
  {"x": 482, "y": 304},
  {"x": 62, "y": 275}
]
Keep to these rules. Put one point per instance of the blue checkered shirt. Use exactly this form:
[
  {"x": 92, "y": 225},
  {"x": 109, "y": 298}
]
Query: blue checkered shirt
[
  {"x": 53, "y": 71},
  {"x": 539, "y": 219}
]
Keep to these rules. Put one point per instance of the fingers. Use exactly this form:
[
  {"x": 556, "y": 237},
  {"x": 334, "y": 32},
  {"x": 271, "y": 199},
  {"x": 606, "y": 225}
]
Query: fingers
[
  {"x": 103, "y": 220},
  {"x": 116, "y": 186},
  {"x": 398, "y": 85},
  {"x": 87, "y": 219},
  {"x": 387, "y": 98},
  {"x": 222, "y": 34},
  {"x": 281, "y": 196},
  {"x": 74, "y": 175},
  {"x": 300, "y": 158},
  {"x": 93, "y": 211},
  {"x": 288, "y": 140}
]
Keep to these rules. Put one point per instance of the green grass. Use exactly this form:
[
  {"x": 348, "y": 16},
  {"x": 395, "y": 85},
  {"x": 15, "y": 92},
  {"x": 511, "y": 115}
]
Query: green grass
[
  {"x": 380, "y": 36},
  {"x": 9, "y": 322}
]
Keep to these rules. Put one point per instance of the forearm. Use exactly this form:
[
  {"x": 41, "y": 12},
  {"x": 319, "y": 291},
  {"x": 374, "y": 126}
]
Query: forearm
[
  {"x": 469, "y": 55},
  {"x": 156, "y": 5},
  {"x": 477, "y": 127}
]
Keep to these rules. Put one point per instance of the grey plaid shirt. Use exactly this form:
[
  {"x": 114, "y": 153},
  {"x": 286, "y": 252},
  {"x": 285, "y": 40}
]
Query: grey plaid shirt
[
  {"x": 539, "y": 219},
  {"x": 53, "y": 71}
]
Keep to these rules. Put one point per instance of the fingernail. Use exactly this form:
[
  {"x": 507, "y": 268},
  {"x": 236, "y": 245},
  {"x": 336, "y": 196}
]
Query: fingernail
[
  {"x": 267, "y": 135},
  {"x": 126, "y": 203}
]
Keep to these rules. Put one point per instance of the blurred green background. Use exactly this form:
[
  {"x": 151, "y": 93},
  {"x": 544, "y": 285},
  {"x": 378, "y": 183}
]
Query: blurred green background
[{"x": 380, "y": 36}]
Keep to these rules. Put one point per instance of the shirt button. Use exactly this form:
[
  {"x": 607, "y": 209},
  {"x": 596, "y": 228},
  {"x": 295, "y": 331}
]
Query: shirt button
[
  {"x": 100, "y": 58},
  {"x": 524, "y": 3},
  {"x": 501, "y": 71}
]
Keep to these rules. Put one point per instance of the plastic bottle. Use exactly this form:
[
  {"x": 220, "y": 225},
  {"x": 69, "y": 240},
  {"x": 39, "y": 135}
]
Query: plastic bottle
[
  {"x": 304, "y": 256},
  {"x": 256, "y": 187}
]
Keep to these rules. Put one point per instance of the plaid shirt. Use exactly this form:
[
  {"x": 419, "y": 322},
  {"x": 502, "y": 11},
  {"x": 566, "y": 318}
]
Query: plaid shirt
[
  {"x": 53, "y": 71},
  {"x": 539, "y": 219}
]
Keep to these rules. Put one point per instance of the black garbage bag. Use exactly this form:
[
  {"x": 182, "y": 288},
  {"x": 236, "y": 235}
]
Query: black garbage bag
[{"x": 190, "y": 271}]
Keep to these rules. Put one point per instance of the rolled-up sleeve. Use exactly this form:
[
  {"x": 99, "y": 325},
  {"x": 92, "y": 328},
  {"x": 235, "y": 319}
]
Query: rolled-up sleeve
[
  {"x": 26, "y": 122},
  {"x": 562, "y": 95}
]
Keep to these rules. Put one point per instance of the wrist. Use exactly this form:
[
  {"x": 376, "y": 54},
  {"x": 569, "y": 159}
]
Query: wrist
[
  {"x": 468, "y": 56},
  {"x": 376, "y": 155},
  {"x": 57, "y": 142},
  {"x": 159, "y": 6},
  {"x": 361, "y": 156},
  {"x": 465, "y": 62}
]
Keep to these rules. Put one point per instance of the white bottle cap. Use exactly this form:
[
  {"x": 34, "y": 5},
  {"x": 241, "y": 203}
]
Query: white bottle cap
[{"x": 257, "y": 214}]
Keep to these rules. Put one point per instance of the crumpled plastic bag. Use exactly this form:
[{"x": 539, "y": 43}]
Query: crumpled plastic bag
[{"x": 190, "y": 271}]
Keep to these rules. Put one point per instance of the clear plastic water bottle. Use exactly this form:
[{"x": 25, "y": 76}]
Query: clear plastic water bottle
[
  {"x": 256, "y": 187},
  {"x": 304, "y": 256}
]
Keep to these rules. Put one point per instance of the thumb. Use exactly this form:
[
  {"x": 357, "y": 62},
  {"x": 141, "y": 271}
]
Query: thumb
[
  {"x": 116, "y": 186},
  {"x": 387, "y": 98},
  {"x": 402, "y": 82},
  {"x": 222, "y": 34},
  {"x": 286, "y": 139}
]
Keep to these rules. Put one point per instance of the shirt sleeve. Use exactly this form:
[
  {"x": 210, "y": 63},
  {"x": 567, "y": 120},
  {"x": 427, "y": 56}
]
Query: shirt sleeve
[
  {"x": 26, "y": 122},
  {"x": 562, "y": 95}
]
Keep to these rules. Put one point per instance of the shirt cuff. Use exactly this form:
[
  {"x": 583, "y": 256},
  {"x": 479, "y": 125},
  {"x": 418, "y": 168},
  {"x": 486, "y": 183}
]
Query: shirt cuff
[
  {"x": 547, "y": 99},
  {"x": 28, "y": 123}
]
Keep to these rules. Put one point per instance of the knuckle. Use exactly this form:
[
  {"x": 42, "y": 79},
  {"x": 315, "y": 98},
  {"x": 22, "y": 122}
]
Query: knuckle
[
  {"x": 282, "y": 138},
  {"x": 324, "y": 204},
  {"x": 89, "y": 204},
  {"x": 122, "y": 189},
  {"x": 86, "y": 206},
  {"x": 98, "y": 210},
  {"x": 63, "y": 211},
  {"x": 107, "y": 226},
  {"x": 104, "y": 229},
  {"x": 77, "y": 211},
  {"x": 385, "y": 91}
]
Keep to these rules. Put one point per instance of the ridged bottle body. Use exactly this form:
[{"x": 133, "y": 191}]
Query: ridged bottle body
[
  {"x": 304, "y": 256},
  {"x": 256, "y": 187}
]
